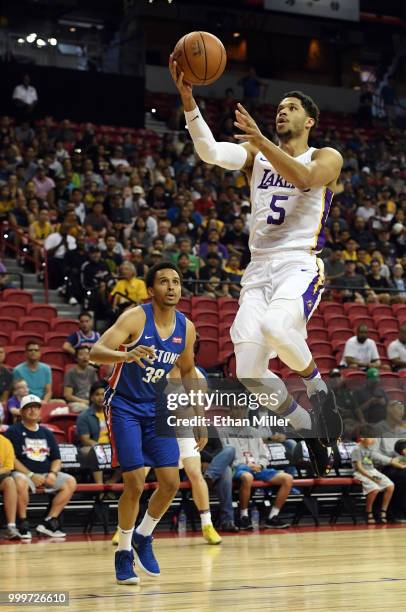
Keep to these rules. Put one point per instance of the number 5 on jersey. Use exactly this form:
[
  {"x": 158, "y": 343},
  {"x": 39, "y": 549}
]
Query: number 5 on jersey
[{"x": 272, "y": 219}]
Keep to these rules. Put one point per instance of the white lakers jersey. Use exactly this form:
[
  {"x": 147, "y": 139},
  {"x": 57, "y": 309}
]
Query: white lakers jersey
[{"x": 284, "y": 218}]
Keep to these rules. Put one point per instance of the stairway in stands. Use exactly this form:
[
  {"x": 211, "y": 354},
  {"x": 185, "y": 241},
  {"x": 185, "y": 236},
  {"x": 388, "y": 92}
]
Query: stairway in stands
[{"x": 35, "y": 287}]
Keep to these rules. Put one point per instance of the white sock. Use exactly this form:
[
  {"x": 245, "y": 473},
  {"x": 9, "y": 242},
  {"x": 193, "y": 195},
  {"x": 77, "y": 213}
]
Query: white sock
[
  {"x": 297, "y": 416},
  {"x": 205, "y": 518},
  {"x": 314, "y": 383},
  {"x": 147, "y": 525},
  {"x": 244, "y": 512},
  {"x": 274, "y": 512},
  {"x": 124, "y": 542},
  {"x": 10, "y": 525}
]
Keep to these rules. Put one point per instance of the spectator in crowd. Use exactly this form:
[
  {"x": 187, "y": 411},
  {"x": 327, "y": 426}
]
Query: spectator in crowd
[
  {"x": 130, "y": 290},
  {"x": 19, "y": 389},
  {"x": 94, "y": 278},
  {"x": 251, "y": 459},
  {"x": 234, "y": 275},
  {"x": 252, "y": 87},
  {"x": 215, "y": 279},
  {"x": 217, "y": 459},
  {"x": 378, "y": 283},
  {"x": 25, "y": 97},
  {"x": 78, "y": 381},
  {"x": 189, "y": 278},
  {"x": 72, "y": 264},
  {"x": 371, "y": 398},
  {"x": 85, "y": 336},
  {"x": 91, "y": 430},
  {"x": 399, "y": 283},
  {"x": 6, "y": 378},
  {"x": 38, "y": 464},
  {"x": 334, "y": 267},
  {"x": 354, "y": 283},
  {"x": 361, "y": 351},
  {"x": 8, "y": 487},
  {"x": 111, "y": 255},
  {"x": 396, "y": 351},
  {"x": 346, "y": 401},
  {"x": 38, "y": 375},
  {"x": 371, "y": 479},
  {"x": 56, "y": 245},
  {"x": 4, "y": 277}
]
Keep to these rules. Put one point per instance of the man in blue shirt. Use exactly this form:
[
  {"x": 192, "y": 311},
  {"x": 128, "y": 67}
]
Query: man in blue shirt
[{"x": 38, "y": 375}]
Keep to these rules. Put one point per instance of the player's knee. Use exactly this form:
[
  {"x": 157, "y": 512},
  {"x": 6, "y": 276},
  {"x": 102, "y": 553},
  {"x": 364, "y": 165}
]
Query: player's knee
[
  {"x": 133, "y": 487},
  {"x": 195, "y": 476},
  {"x": 287, "y": 480},
  {"x": 249, "y": 369},
  {"x": 169, "y": 486}
]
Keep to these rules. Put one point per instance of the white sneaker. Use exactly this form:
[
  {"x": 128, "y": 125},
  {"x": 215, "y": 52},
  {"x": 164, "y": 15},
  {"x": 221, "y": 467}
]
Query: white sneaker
[
  {"x": 13, "y": 533},
  {"x": 51, "y": 528}
]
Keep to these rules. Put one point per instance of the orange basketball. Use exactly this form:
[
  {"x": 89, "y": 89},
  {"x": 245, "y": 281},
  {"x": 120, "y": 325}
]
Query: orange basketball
[{"x": 201, "y": 56}]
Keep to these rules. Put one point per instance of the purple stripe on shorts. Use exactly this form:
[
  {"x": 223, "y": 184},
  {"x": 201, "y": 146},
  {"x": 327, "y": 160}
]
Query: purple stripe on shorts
[
  {"x": 328, "y": 197},
  {"x": 289, "y": 410},
  {"x": 310, "y": 296}
]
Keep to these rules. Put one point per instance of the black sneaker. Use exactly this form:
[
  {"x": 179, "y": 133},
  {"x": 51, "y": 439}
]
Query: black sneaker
[
  {"x": 229, "y": 527},
  {"x": 245, "y": 523},
  {"x": 329, "y": 424},
  {"x": 24, "y": 530},
  {"x": 50, "y": 528},
  {"x": 276, "y": 523}
]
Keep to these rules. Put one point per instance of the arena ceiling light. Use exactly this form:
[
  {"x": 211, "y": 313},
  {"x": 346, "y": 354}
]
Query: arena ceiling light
[
  {"x": 53, "y": 42},
  {"x": 21, "y": 41},
  {"x": 41, "y": 42},
  {"x": 31, "y": 37}
]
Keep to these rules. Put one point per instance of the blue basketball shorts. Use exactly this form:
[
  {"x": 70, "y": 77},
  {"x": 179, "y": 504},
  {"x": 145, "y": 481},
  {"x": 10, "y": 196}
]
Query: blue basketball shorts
[
  {"x": 265, "y": 474},
  {"x": 134, "y": 439}
]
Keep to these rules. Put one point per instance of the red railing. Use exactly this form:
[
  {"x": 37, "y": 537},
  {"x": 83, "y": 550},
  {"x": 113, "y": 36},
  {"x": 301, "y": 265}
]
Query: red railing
[{"x": 20, "y": 245}]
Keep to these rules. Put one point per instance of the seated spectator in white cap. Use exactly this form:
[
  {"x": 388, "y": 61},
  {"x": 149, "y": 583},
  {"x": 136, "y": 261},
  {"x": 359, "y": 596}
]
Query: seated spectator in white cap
[{"x": 38, "y": 464}]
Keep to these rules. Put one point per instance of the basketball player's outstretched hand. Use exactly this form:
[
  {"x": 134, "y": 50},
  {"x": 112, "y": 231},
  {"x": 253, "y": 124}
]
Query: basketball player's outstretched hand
[
  {"x": 140, "y": 353},
  {"x": 201, "y": 437},
  {"x": 246, "y": 124},
  {"x": 185, "y": 89}
]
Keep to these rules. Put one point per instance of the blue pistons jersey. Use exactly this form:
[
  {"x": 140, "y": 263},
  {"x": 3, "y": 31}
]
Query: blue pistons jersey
[{"x": 144, "y": 388}]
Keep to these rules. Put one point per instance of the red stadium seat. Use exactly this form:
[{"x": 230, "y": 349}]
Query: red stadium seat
[
  {"x": 12, "y": 309},
  {"x": 210, "y": 304},
  {"x": 207, "y": 355},
  {"x": 386, "y": 326},
  {"x": 337, "y": 345},
  {"x": 325, "y": 362},
  {"x": 399, "y": 310},
  {"x": 4, "y": 339},
  {"x": 320, "y": 346},
  {"x": 224, "y": 330},
  {"x": 19, "y": 338},
  {"x": 55, "y": 357},
  {"x": 57, "y": 382},
  {"x": 357, "y": 320},
  {"x": 396, "y": 394},
  {"x": 316, "y": 321},
  {"x": 17, "y": 295},
  {"x": 227, "y": 318},
  {"x": 356, "y": 309},
  {"x": 14, "y": 355},
  {"x": 200, "y": 315},
  {"x": 54, "y": 339},
  {"x": 333, "y": 307},
  {"x": 207, "y": 331},
  {"x": 40, "y": 326},
  {"x": 8, "y": 325},
  {"x": 42, "y": 311},
  {"x": 185, "y": 305},
  {"x": 58, "y": 433},
  {"x": 71, "y": 434},
  {"x": 66, "y": 326},
  {"x": 390, "y": 336},
  {"x": 342, "y": 333},
  {"x": 381, "y": 309},
  {"x": 338, "y": 323},
  {"x": 338, "y": 320},
  {"x": 318, "y": 333},
  {"x": 63, "y": 421},
  {"x": 48, "y": 407},
  {"x": 226, "y": 348},
  {"x": 223, "y": 301}
]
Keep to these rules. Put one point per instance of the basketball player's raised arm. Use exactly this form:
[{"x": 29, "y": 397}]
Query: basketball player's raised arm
[
  {"x": 129, "y": 325},
  {"x": 227, "y": 155},
  {"x": 324, "y": 168}
]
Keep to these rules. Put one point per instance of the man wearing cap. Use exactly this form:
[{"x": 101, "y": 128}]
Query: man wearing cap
[
  {"x": 38, "y": 464},
  {"x": 361, "y": 351},
  {"x": 371, "y": 398}
]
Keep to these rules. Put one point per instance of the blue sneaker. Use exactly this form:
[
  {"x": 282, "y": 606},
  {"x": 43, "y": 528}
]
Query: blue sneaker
[
  {"x": 124, "y": 562},
  {"x": 143, "y": 550}
]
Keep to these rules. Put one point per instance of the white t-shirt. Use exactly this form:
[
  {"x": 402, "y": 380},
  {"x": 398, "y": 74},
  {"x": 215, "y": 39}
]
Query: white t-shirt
[
  {"x": 397, "y": 350},
  {"x": 365, "y": 213},
  {"x": 54, "y": 239},
  {"x": 28, "y": 95},
  {"x": 364, "y": 352}
]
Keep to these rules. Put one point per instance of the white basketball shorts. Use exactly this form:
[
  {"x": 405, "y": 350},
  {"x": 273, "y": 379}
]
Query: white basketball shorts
[{"x": 298, "y": 278}]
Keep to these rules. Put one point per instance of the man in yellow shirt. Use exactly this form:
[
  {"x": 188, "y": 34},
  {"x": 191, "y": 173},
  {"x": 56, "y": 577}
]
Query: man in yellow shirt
[
  {"x": 8, "y": 486},
  {"x": 130, "y": 289}
]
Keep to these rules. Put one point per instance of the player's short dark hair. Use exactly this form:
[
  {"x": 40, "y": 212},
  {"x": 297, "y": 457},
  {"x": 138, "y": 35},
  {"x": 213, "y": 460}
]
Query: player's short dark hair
[
  {"x": 31, "y": 342},
  {"x": 99, "y": 384},
  {"x": 163, "y": 265},
  {"x": 310, "y": 106}
]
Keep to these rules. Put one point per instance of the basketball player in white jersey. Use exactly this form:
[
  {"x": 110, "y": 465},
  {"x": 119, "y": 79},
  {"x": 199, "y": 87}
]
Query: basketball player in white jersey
[{"x": 292, "y": 186}]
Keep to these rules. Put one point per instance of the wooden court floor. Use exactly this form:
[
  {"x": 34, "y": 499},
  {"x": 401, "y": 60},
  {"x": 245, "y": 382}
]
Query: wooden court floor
[{"x": 326, "y": 569}]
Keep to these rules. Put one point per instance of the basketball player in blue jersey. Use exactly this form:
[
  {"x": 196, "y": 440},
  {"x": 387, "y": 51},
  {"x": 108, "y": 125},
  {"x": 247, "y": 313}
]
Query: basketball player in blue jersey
[
  {"x": 292, "y": 185},
  {"x": 144, "y": 344}
]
